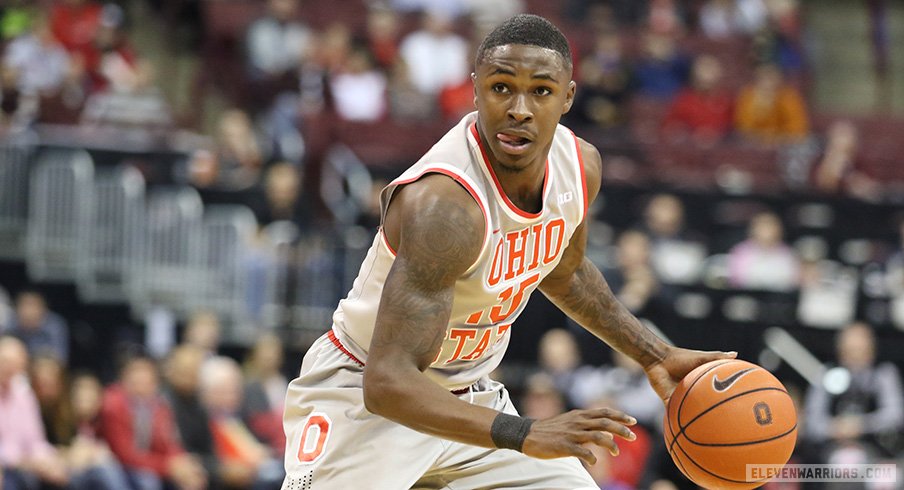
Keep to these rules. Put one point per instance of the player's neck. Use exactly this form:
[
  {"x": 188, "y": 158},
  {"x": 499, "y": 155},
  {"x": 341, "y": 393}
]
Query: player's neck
[{"x": 523, "y": 186}]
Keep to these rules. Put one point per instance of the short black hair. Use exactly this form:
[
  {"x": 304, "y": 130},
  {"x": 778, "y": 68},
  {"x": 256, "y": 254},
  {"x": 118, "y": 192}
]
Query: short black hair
[{"x": 528, "y": 29}]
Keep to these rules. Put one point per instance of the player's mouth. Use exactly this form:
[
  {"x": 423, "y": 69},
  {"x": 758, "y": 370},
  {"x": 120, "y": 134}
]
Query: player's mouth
[{"x": 513, "y": 142}]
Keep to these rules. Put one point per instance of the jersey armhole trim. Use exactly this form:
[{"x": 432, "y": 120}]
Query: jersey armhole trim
[
  {"x": 463, "y": 181},
  {"x": 336, "y": 342},
  {"x": 577, "y": 149}
]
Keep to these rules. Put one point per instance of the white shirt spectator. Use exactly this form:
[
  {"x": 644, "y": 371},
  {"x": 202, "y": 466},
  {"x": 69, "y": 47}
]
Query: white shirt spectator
[
  {"x": 41, "y": 65},
  {"x": 726, "y": 18},
  {"x": 435, "y": 60},
  {"x": 359, "y": 96},
  {"x": 276, "y": 47}
]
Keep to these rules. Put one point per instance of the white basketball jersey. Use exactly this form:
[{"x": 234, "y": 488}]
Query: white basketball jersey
[{"x": 519, "y": 250}]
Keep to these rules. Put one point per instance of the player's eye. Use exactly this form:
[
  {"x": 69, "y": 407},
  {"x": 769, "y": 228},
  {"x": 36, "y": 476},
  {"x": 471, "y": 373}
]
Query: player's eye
[
  {"x": 543, "y": 91},
  {"x": 500, "y": 88}
]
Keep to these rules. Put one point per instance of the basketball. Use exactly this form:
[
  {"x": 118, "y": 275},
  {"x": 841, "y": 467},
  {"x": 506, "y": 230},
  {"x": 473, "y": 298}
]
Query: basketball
[{"x": 725, "y": 415}]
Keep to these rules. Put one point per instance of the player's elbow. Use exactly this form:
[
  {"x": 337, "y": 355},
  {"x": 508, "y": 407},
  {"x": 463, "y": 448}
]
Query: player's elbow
[{"x": 378, "y": 388}]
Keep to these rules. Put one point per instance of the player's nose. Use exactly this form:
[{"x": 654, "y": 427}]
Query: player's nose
[{"x": 519, "y": 110}]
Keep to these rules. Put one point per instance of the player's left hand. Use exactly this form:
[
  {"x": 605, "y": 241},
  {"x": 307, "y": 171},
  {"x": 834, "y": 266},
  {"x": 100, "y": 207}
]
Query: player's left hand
[{"x": 666, "y": 374}]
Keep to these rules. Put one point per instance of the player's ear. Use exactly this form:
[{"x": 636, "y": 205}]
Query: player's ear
[
  {"x": 569, "y": 96},
  {"x": 474, "y": 86}
]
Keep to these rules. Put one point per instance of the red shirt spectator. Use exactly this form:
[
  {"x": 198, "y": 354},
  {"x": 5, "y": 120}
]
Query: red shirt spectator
[
  {"x": 702, "y": 109},
  {"x": 139, "y": 427},
  {"x": 118, "y": 422},
  {"x": 75, "y": 23}
]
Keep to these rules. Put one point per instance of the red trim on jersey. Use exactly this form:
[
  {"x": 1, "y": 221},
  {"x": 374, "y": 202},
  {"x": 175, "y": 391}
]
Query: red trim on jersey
[
  {"x": 577, "y": 147},
  {"x": 505, "y": 198},
  {"x": 335, "y": 340},
  {"x": 386, "y": 242},
  {"x": 456, "y": 178}
]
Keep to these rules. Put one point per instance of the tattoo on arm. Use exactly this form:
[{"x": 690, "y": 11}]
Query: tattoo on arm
[
  {"x": 437, "y": 245},
  {"x": 588, "y": 300}
]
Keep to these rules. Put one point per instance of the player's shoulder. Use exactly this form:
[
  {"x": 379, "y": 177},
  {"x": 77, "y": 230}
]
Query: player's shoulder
[
  {"x": 437, "y": 203},
  {"x": 593, "y": 166},
  {"x": 435, "y": 223}
]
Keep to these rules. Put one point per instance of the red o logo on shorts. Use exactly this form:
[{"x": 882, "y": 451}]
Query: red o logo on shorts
[{"x": 314, "y": 435}]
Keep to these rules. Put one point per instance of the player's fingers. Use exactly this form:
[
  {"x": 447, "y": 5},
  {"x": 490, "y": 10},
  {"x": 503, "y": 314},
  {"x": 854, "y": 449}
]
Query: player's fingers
[
  {"x": 606, "y": 440},
  {"x": 609, "y": 425},
  {"x": 584, "y": 455},
  {"x": 612, "y": 414}
]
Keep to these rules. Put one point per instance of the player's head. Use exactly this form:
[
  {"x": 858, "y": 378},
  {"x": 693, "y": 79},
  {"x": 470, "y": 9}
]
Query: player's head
[
  {"x": 529, "y": 30},
  {"x": 522, "y": 87}
]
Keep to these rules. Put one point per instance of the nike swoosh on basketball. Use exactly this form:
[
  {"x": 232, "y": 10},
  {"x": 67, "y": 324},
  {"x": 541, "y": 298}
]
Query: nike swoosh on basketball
[{"x": 722, "y": 385}]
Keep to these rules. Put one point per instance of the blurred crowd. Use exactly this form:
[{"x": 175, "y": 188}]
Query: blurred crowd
[
  {"x": 193, "y": 419},
  {"x": 325, "y": 101}
]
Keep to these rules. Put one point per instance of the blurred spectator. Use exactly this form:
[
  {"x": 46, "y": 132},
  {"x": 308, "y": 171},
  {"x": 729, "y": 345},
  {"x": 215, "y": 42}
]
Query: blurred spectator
[
  {"x": 265, "y": 391},
  {"x": 769, "y": 110},
  {"x": 625, "y": 383},
  {"x": 383, "y": 30},
  {"x": 836, "y": 170},
  {"x": 662, "y": 69},
  {"x": 51, "y": 389},
  {"x": 359, "y": 90},
  {"x": 541, "y": 399},
  {"x": 26, "y": 458},
  {"x": 138, "y": 424},
  {"x": 455, "y": 101},
  {"x": 676, "y": 256},
  {"x": 763, "y": 260},
  {"x": 239, "y": 152},
  {"x": 867, "y": 414},
  {"x": 182, "y": 371},
  {"x": 407, "y": 102},
  {"x": 75, "y": 24},
  {"x": 90, "y": 461},
  {"x": 234, "y": 443},
  {"x": 277, "y": 43},
  {"x": 43, "y": 331},
  {"x": 632, "y": 279},
  {"x": 203, "y": 332},
  {"x": 664, "y": 17},
  {"x": 111, "y": 61},
  {"x": 40, "y": 64},
  {"x": 721, "y": 19},
  {"x": 703, "y": 109},
  {"x": 559, "y": 358},
  {"x": 132, "y": 100},
  {"x": 605, "y": 84},
  {"x": 282, "y": 199},
  {"x": 435, "y": 56},
  {"x": 487, "y": 15},
  {"x": 778, "y": 42}
]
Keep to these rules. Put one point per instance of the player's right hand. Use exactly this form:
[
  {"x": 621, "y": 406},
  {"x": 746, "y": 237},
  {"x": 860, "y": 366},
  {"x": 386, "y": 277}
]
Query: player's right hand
[{"x": 565, "y": 434}]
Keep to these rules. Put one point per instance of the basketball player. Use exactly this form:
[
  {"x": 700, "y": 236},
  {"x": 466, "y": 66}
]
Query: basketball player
[{"x": 396, "y": 395}]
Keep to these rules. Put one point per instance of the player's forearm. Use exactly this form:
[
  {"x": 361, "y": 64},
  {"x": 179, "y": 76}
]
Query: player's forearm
[
  {"x": 587, "y": 299},
  {"x": 410, "y": 328},
  {"x": 405, "y": 395}
]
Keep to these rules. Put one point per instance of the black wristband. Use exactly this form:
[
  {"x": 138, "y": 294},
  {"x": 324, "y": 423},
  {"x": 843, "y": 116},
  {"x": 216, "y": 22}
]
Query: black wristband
[{"x": 510, "y": 431}]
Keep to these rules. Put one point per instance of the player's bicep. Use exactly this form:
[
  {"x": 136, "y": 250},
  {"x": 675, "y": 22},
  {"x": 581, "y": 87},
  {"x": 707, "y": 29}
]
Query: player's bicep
[{"x": 439, "y": 230}]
